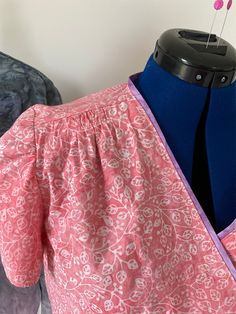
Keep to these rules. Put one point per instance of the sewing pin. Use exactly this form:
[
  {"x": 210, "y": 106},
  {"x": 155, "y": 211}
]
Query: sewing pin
[
  {"x": 229, "y": 5},
  {"x": 218, "y": 5}
]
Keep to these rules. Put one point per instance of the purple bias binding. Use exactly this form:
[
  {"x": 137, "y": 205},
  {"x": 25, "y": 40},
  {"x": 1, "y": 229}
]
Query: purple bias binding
[{"x": 200, "y": 210}]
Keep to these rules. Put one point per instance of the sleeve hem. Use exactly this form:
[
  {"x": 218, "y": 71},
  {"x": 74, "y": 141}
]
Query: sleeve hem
[{"x": 25, "y": 284}]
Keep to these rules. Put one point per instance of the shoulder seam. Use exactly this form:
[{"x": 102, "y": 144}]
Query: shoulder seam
[
  {"x": 96, "y": 109},
  {"x": 75, "y": 114}
]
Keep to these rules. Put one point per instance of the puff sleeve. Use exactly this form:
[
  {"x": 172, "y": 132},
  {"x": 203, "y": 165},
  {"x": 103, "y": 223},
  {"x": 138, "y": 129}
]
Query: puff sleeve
[{"x": 21, "y": 216}]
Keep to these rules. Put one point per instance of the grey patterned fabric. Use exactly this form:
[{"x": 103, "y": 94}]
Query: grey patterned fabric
[{"x": 22, "y": 86}]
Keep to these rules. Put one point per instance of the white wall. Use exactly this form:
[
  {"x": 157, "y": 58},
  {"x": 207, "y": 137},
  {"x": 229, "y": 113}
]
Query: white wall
[{"x": 87, "y": 45}]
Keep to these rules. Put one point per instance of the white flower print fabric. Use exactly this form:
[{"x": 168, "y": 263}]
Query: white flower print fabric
[{"x": 89, "y": 189}]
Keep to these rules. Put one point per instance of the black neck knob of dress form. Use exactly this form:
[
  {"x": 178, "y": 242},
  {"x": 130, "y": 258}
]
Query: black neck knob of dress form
[{"x": 185, "y": 54}]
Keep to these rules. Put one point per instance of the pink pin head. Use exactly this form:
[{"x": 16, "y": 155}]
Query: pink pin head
[
  {"x": 218, "y": 4},
  {"x": 229, "y": 5}
]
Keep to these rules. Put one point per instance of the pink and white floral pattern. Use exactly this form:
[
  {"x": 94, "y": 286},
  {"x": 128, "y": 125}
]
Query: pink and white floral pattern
[
  {"x": 230, "y": 245},
  {"x": 90, "y": 189}
]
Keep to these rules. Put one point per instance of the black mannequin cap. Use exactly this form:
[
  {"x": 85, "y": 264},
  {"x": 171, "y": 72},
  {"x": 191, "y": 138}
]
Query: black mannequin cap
[{"x": 184, "y": 53}]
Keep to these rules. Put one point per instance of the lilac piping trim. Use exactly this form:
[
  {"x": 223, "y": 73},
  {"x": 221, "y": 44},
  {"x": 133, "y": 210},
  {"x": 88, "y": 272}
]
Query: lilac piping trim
[
  {"x": 228, "y": 230},
  {"x": 201, "y": 213}
]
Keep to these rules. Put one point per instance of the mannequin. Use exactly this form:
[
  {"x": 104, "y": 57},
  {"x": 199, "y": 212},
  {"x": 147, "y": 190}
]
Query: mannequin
[{"x": 192, "y": 93}]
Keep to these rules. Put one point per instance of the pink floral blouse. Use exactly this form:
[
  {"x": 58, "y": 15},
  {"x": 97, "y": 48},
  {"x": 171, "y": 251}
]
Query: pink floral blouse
[{"x": 92, "y": 190}]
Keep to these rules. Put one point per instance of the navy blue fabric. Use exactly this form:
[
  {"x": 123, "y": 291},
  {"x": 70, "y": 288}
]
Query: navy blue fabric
[
  {"x": 22, "y": 86},
  {"x": 179, "y": 107},
  {"x": 221, "y": 144}
]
